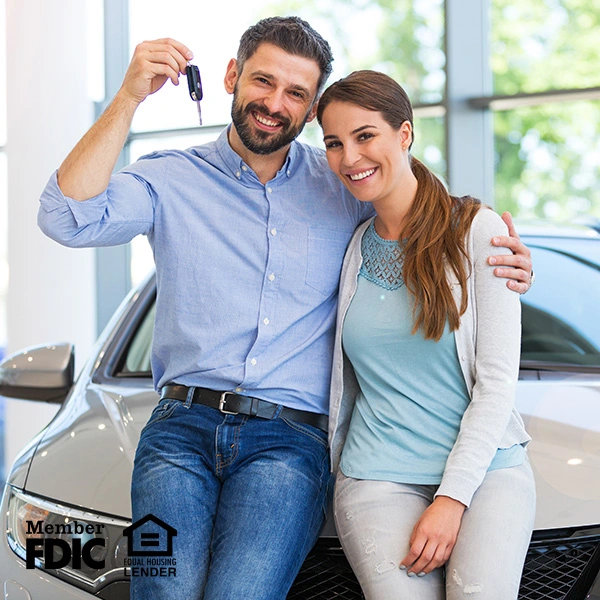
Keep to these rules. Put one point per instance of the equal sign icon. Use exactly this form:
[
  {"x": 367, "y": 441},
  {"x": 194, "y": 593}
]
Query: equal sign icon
[{"x": 149, "y": 539}]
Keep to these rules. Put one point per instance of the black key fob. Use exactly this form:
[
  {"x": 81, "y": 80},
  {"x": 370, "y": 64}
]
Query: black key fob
[{"x": 194, "y": 82}]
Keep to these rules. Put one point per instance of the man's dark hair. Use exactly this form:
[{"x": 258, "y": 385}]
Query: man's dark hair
[{"x": 291, "y": 34}]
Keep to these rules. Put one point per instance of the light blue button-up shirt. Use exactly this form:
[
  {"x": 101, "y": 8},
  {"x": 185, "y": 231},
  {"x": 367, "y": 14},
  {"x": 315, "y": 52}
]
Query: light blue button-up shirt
[{"x": 247, "y": 274}]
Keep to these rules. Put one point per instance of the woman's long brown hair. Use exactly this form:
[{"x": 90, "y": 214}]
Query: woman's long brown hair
[{"x": 434, "y": 233}]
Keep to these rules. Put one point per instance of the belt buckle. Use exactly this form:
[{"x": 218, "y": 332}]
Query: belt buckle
[{"x": 222, "y": 401}]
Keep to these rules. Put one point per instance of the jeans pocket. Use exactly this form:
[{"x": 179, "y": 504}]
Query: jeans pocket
[
  {"x": 163, "y": 410},
  {"x": 308, "y": 430}
]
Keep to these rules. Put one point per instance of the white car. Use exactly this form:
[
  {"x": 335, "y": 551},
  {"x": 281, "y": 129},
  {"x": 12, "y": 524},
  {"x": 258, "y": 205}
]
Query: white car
[{"x": 66, "y": 506}]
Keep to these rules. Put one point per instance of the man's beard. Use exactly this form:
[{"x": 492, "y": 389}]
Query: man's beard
[{"x": 257, "y": 141}]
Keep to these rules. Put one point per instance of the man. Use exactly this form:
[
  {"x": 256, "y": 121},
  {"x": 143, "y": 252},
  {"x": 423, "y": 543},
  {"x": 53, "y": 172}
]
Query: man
[{"x": 248, "y": 235}]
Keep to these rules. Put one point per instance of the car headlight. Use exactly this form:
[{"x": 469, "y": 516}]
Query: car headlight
[{"x": 86, "y": 549}]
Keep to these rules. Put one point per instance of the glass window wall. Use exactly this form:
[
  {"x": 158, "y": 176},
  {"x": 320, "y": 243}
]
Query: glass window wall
[
  {"x": 547, "y": 154},
  {"x": 548, "y": 160},
  {"x": 539, "y": 45}
]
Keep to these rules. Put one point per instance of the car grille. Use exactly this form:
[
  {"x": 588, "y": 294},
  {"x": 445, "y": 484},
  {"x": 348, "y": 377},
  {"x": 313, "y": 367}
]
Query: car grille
[
  {"x": 556, "y": 569},
  {"x": 325, "y": 575},
  {"x": 561, "y": 568}
]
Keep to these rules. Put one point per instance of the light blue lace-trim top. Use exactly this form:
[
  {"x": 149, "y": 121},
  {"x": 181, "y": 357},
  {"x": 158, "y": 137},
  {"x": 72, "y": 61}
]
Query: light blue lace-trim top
[
  {"x": 412, "y": 391},
  {"x": 382, "y": 262}
]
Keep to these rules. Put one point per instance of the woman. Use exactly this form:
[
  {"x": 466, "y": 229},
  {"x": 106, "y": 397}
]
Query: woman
[{"x": 433, "y": 470}]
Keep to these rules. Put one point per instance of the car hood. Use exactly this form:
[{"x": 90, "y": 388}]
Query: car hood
[
  {"x": 85, "y": 456},
  {"x": 561, "y": 414}
]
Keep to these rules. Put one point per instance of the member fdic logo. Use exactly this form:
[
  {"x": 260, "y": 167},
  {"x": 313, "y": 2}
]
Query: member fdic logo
[
  {"x": 56, "y": 552},
  {"x": 82, "y": 545}
]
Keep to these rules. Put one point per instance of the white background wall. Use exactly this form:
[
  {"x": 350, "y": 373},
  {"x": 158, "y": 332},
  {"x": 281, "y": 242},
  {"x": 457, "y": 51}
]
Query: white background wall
[{"x": 51, "y": 291}]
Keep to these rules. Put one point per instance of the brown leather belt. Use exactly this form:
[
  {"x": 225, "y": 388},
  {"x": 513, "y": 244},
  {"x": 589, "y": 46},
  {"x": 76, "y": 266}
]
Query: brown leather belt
[{"x": 230, "y": 403}]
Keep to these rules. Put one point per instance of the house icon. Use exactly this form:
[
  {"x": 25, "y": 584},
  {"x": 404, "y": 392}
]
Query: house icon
[{"x": 149, "y": 536}]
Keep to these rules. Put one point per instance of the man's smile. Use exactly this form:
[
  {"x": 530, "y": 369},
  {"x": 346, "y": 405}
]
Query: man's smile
[{"x": 266, "y": 121}]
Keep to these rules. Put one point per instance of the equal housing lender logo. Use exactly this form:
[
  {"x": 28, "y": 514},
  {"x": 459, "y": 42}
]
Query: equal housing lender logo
[{"x": 150, "y": 548}]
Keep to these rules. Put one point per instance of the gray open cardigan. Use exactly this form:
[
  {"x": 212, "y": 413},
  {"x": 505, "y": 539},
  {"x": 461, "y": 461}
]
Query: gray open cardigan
[{"x": 488, "y": 345}]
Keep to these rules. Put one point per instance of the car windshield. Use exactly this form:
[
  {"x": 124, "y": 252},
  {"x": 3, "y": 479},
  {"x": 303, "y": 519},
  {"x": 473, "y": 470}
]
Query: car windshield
[
  {"x": 137, "y": 358},
  {"x": 560, "y": 312}
]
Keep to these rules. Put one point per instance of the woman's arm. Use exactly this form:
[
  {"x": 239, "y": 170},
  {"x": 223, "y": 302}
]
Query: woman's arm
[
  {"x": 497, "y": 326},
  {"x": 496, "y": 319}
]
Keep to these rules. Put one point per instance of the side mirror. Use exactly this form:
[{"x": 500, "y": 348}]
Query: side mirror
[{"x": 43, "y": 373}]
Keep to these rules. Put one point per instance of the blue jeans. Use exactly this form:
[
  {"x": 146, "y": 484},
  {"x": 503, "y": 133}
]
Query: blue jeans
[{"x": 246, "y": 495}]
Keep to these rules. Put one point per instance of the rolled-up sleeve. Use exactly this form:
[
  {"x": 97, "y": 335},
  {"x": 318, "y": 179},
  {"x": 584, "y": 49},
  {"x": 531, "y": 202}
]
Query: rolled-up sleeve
[{"x": 117, "y": 215}]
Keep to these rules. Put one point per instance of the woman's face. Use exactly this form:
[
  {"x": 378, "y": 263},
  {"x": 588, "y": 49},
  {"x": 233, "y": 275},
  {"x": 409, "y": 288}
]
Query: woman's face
[{"x": 364, "y": 151}]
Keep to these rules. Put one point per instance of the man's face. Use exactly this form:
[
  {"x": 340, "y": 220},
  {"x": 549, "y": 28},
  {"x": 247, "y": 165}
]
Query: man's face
[{"x": 273, "y": 97}]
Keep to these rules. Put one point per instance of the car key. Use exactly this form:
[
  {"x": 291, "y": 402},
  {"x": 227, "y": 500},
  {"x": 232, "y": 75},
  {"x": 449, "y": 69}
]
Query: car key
[{"x": 195, "y": 86}]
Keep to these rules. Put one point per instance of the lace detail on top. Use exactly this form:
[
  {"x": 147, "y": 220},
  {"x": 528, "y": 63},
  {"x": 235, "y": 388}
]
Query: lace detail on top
[{"x": 382, "y": 262}]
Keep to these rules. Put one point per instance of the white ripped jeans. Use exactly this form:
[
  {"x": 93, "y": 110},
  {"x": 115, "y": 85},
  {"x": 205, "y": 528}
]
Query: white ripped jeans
[{"x": 375, "y": 520}]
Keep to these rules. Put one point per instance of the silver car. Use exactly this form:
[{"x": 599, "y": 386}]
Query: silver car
[{"x": 66, "y": 508}]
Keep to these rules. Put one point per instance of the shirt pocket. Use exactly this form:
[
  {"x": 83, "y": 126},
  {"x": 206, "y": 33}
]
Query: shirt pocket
[{"x": 325, "y": 254}]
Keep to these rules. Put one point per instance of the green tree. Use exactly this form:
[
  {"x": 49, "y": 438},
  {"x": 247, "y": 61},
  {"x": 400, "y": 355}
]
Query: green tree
[{"x": 547, "y": 156}]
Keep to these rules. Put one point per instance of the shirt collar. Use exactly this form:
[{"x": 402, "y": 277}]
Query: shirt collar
[{"x": 238, "y": 167}]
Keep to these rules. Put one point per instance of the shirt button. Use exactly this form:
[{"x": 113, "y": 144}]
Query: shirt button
[
  {"x": 238, "y": 389},
  {"x": 253, "y": 361},
  {"x": 271, "y": 276},
  {"x": 266, "y": 321},
  {"x": 244, "y": 168},
  {"x": 269, "y": 190},
  {"x": 238, "y": 174},
  {"x": 273, "y": 231}
]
